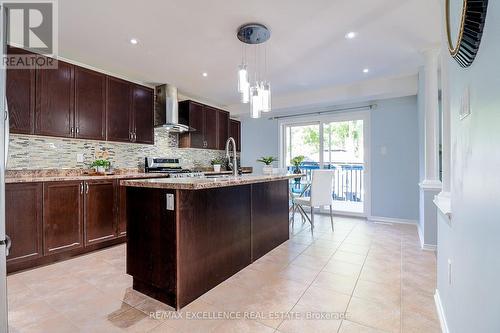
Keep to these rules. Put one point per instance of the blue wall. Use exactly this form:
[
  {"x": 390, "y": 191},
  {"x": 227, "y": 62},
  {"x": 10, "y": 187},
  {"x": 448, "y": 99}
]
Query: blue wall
[
  {"x": 472, "y": 239},
  {"x": 394, "y": 125},
  {"x": 395, "y": 158},
  {"x": 259, "y": 138}
]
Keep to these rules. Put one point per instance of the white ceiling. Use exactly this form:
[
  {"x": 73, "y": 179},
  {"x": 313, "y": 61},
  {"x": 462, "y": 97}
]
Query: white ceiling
[{"x": 307, "y": 52}]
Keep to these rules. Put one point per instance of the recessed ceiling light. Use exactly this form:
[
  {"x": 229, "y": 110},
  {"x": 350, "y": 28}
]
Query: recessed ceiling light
[
  {"x": 366, "y": 70},
  {"x": 351, "y": 35},
  {"x": 205, "y": 74},
  {"x": 134, "y": 41}
]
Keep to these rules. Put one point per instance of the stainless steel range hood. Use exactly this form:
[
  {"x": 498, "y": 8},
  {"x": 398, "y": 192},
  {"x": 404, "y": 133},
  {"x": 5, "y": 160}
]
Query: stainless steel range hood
[{"x": 167, "y": 109}]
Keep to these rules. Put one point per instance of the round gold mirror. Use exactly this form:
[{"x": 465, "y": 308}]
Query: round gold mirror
[{"x": 464, "y": 24}]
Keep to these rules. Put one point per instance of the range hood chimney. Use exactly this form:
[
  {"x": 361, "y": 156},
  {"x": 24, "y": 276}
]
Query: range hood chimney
[{"x": 167, "y": 109}]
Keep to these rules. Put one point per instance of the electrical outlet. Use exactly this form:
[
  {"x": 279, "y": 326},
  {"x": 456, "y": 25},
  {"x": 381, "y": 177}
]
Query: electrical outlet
[
  {"x": 170, "y": 201},
  {"x": 449, "y": 272},
  {"x": 80, "y": 158}
]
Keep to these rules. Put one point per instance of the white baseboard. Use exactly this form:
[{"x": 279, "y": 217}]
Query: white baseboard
[
  {"x": 391, "y": 220},
  {"x": 425, "y": 247},
  {"x": 440, "y": 313}
]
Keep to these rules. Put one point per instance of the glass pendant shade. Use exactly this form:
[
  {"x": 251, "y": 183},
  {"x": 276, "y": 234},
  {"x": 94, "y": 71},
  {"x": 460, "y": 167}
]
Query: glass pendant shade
[
  {"x": 255, "y": 102},
  {"x": 245, "y": 93},
  {"x": 266, "y": 97},
  {"x": 242, "y": 78}
]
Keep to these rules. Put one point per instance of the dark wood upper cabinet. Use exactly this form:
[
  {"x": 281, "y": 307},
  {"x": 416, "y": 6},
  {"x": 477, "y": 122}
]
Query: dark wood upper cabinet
[
  {"x": 62, "y": 216},
  {"x": 192, "y": 114},
  {"x": 90, "y": 104},
  {"x": 119, "y": 110},
  {"x": 54, "y": 112},
  {"x": 143, "y": 114},
  {"x": 23, "y": 215},
  {"x": 100, "y": 211},
  {"x": 210, "y": 131},
  {"x": 76, "y": 102},
  {"x": 235, "y": 132},
  {"x": 211, "y": 126},
  {"x": 20, "y": 92},
  {"x": 222, "y": 129}
]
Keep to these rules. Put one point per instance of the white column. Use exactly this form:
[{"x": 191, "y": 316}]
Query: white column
[
  {"x": 431, "y": 179},
  {"x": 446, "y": 130}
]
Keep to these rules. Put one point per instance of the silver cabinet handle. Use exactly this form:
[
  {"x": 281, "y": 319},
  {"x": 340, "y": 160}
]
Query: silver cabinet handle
[
  {"x": 81, "y": 188},
  {"x": 78, "y": 130},
  {"x": 135, "y": 136},
  {"x": 86, "y": 188},
  {"x": 72, "y": 130}
]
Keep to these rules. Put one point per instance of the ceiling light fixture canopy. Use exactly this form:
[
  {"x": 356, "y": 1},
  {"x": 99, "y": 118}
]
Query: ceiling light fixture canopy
[{"x": 258, "y": 94}]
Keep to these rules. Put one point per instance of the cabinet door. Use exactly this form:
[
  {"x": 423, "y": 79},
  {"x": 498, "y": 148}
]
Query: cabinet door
[
  {"x": 222, "y": 129},
  {"x": 235, "y": 132},
  {"x": 54, "y": 113},
  {"x": 90, "y": 104},
  {"x": 210, "y": 131},
  {"x": 100, "y": 208},
  {"x": 143, "y": 114},
  {"x": 62, "y": 216},
  {"x": 118, "y": 108},
  {"x": 23, "y": 215},
  {"x": 20, "y": 90},
  {"x": 122, "y": 211}
]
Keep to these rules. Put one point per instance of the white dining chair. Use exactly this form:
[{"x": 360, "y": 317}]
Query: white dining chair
[{"x": 321, "y": 194}]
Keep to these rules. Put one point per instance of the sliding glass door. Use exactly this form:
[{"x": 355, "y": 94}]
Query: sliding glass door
[
  {"x": 338, "y": 143},
  {"x": 343, "y": 152}
]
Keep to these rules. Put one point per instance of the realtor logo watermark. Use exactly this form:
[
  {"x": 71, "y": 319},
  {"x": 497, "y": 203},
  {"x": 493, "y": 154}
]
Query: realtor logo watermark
[{"x": 32, "y": 28}]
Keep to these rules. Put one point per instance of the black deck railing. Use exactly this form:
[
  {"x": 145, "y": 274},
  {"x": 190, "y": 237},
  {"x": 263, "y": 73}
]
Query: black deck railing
[{"x": 348, "y": 179}]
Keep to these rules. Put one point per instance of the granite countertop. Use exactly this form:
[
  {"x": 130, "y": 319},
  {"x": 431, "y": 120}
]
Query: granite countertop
[
  {"x": 31, "y": 176},
  {"x": 203, "y": 183}
]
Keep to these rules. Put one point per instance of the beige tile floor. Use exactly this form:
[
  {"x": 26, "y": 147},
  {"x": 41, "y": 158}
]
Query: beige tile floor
[{"x": 363, "y": 277}]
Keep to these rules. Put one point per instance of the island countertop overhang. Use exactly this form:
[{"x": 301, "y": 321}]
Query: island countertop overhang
[{"x": 204, "y": 183}]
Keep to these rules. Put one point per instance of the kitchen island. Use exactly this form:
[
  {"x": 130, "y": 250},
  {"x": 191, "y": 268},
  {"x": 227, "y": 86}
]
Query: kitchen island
[{"x": 187, "y": 235}]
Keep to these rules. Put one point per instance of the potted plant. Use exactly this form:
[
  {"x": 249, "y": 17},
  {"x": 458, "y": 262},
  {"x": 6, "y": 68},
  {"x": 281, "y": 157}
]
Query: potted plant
[
  {"x": 268, "y": 161},
  {"x": 100, "y": 165},
  {"x": 217, "y": 163},
  {"x": 296, "y": 162}
]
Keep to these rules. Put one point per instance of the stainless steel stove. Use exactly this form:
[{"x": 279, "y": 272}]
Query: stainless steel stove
[{"x": 170, "y": 166}]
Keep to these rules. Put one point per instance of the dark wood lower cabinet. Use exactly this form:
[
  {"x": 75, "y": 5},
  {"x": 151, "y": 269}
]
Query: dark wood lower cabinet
[
  {"x": 177, "y": 255},
  {"x": 100, "y": 211},
  {"x": 62, "y": 216},
  {"x": 23, "y": 215},
  {"x": 53, "y": 221},
  {"x": 121, "y": 227}
]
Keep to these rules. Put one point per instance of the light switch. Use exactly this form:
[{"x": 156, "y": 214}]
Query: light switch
[
  {"x": 383, "y": 150},
  {"x": 465, "y": 104},
  {"x": 79, "y": 158}
]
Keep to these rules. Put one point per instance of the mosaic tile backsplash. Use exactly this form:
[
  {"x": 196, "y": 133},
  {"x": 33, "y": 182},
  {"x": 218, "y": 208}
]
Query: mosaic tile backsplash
[{"x": 28, "y": 152}]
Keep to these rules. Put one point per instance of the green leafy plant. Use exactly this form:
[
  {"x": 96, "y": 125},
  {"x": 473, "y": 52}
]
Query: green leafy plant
[
  {"x": 100, "y": 163},
  {"x": 267, "y": 160},
  {"x": 218, "y": 161},
  {"x": 297, "y": 161}
]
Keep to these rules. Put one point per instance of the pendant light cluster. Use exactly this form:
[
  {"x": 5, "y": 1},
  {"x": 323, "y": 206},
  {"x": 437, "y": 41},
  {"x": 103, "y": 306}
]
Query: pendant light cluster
[{"x": 258, "y": 92}]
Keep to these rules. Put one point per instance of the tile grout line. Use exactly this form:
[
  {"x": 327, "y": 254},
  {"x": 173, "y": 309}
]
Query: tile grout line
[
  {"x": 356, "y": 284},
  {"x": 309, "y": 285}
]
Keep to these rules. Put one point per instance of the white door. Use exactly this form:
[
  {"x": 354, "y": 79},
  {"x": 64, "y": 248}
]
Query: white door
[{"x": 3, "y": 134}]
